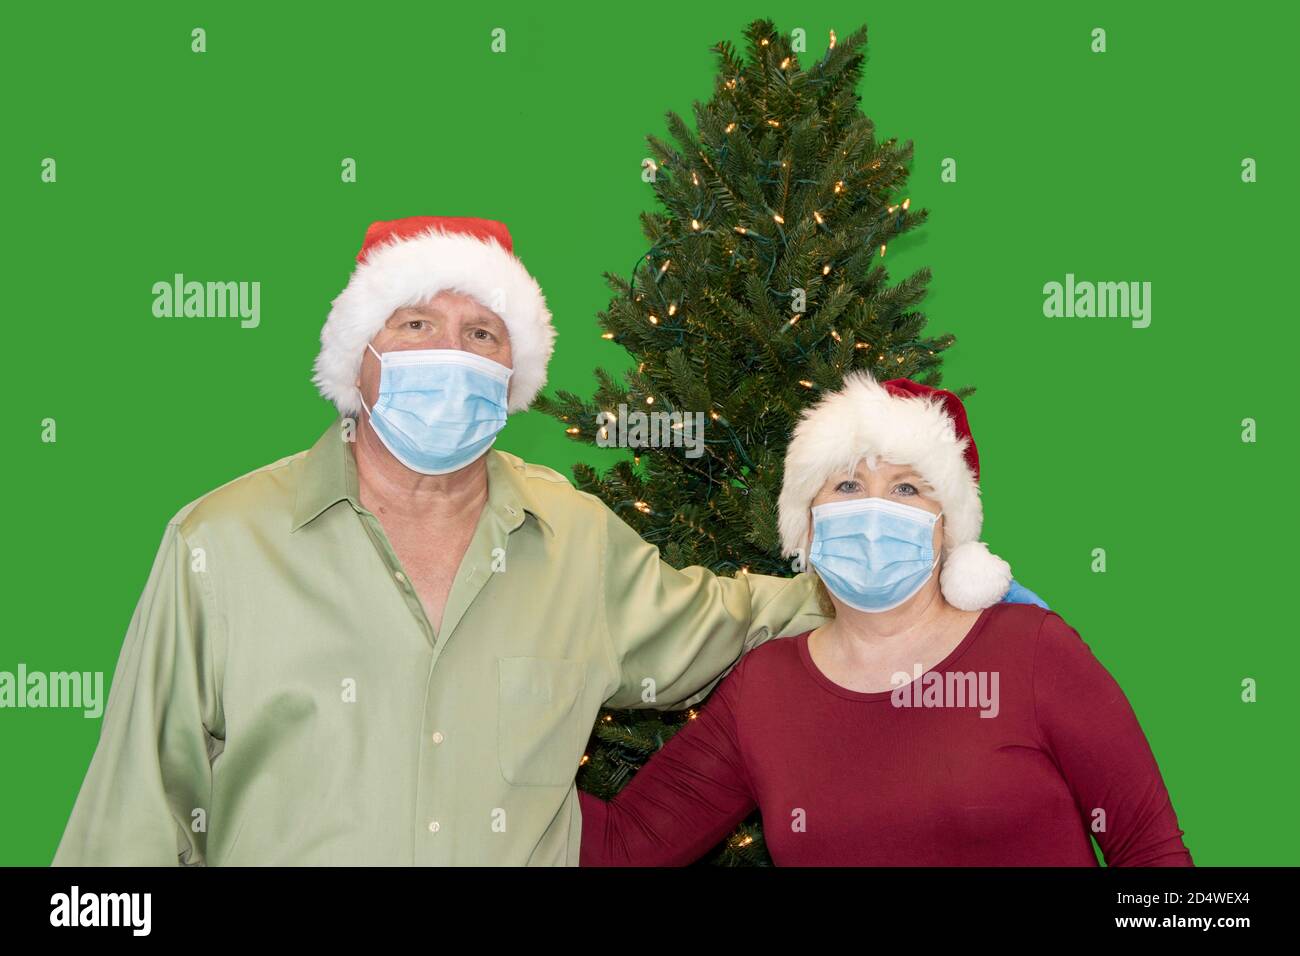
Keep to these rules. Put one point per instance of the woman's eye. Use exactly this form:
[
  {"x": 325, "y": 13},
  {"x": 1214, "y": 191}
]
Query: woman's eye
[
  {"x": 905, "y": 489},
  {"x": 848, "y": 487}
]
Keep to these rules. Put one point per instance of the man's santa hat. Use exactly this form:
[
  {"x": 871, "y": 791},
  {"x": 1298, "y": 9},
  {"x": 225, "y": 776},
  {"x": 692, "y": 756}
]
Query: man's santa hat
[
  {"x": 405, "y": 262},
  {"x": 904, "y": 423}
]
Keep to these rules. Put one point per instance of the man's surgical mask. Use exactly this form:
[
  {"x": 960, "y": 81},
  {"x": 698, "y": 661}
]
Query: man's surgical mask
[{"x": 438, "y": 409}]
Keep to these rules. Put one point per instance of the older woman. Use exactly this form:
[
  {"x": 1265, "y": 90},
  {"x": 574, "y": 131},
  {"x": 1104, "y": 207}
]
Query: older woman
[{"x": 927, "y": 723}]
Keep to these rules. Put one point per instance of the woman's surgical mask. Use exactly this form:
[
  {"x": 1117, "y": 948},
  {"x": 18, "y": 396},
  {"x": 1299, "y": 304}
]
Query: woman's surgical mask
[
  {"x": 438, "y": 409},
  {"x": 871, "y": 553}
]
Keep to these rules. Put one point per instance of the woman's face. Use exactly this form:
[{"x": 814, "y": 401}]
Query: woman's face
[{"x": 898, "y": 483}]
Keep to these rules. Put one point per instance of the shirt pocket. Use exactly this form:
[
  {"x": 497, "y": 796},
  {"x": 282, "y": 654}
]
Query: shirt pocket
[{"x": 541, "y": 726}]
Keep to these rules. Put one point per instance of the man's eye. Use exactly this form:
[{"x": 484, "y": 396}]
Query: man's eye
[
  {"x": 417, "y": 323},
  {"x": 482, "y": 334}
]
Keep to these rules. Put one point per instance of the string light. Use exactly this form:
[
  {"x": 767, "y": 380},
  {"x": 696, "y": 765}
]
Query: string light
[
  {"x": 607, "y": 335},
  {"x": 835, "y": 335},
  {"x": 742, "y": 230},
  {"x": 642, "y": 507},
  {"x": 714, "y": 415},
  {"x": 805, "y": 383},
  {"x": 832, "y": 39},
  {"x": 818, "y": 217},
  {"x": 573, "y": 431},
  {"x": 695, "y": 179},
  {"x": 777, "y": 217},
  {"x": 695, "y": 224},
  {"x": 907, "y": 202},
  {"x": 672, "y": 308},
  {"x": 826, "y": 269},
  {"x": 839, "y": 186},
  {"x": 785, "y": 63},
  {"x": 730, "y": 127},
  {"x": 882, "y": 250},
  {"x": 664, "y": 267},
  {"x": 583, "y": 761},
  {"x": 773, "y": 123},
  {"x": 796, "y": 318},
  {"x": 649, "y": 399},
  {"x": 654, "y": 319}
]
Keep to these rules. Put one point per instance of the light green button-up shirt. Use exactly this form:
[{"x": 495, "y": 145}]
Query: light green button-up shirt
[{"x": 282, "y": 698}]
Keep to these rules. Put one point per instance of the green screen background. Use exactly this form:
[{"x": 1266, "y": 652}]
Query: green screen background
[{"x": 1123, "y": 166}]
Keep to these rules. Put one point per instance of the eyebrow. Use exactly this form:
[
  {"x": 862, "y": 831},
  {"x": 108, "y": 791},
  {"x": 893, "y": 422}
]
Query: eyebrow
[
  {"x": 486, "y": 316},
  {"x": 422, "y": 309},
  {"x": 915, "y": 477}
]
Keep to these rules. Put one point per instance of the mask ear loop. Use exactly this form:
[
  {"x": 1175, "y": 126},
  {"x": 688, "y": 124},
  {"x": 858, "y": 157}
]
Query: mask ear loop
[
  {"x": 360, "y": 397},
  {"x": 940, "y": 554}
]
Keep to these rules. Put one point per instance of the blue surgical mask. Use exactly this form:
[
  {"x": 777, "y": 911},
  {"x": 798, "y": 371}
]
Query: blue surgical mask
[
  {"x": 871, "y": 553},
  {"x": 438, "y": 409}
]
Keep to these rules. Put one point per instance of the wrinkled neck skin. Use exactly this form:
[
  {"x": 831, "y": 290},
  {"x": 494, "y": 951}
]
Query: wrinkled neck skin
[
  {"x": 922, "y": 616},
  {"x": 387, "y": 486}
]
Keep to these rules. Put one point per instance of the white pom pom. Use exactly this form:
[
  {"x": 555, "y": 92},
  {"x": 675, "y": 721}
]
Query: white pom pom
[{"x": 972, "y": 578}]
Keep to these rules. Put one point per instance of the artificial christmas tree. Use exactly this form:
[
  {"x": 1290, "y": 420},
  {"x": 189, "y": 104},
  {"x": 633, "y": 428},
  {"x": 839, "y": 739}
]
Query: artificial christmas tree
[{"x": 763, "y": 286}]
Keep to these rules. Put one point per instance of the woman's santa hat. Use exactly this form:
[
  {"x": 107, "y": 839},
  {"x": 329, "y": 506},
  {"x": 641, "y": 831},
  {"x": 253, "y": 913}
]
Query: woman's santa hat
[
  {"x": 405, "y": 262},
  {"x": 904, "y": 423}
]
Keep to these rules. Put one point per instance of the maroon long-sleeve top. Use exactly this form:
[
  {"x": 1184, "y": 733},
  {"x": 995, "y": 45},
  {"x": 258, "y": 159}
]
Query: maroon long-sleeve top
[{"x": 1034, "y": 749}]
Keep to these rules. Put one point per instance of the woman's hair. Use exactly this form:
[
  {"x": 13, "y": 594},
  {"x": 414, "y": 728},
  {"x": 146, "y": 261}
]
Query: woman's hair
[{"x": 824, "y": 597}]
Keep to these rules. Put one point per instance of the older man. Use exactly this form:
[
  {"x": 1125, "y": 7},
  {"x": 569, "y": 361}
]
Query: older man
[{"x": 391, "y": 648}]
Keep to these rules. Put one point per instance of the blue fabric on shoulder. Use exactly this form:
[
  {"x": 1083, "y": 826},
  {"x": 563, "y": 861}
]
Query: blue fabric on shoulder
[{"x": 1019, "y": 594}]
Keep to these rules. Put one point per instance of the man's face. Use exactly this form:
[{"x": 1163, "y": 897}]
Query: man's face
[{"x": 449, "y": 320}]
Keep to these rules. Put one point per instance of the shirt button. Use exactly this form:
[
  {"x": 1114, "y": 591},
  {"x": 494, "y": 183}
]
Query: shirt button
[
  {"x": 434, "y": 826},
  {"x": 437, "y": 737},
  {"x": 400, "y": 576}
]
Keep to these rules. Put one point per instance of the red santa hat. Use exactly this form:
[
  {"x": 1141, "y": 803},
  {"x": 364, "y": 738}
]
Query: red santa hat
[
  {"x": 405, "y": 262},
  {"x": 904, "y": 423}
]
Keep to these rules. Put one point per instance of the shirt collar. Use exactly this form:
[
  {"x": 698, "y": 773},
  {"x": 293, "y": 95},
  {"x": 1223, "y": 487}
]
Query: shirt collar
[{"x": 328, "y": 475}]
